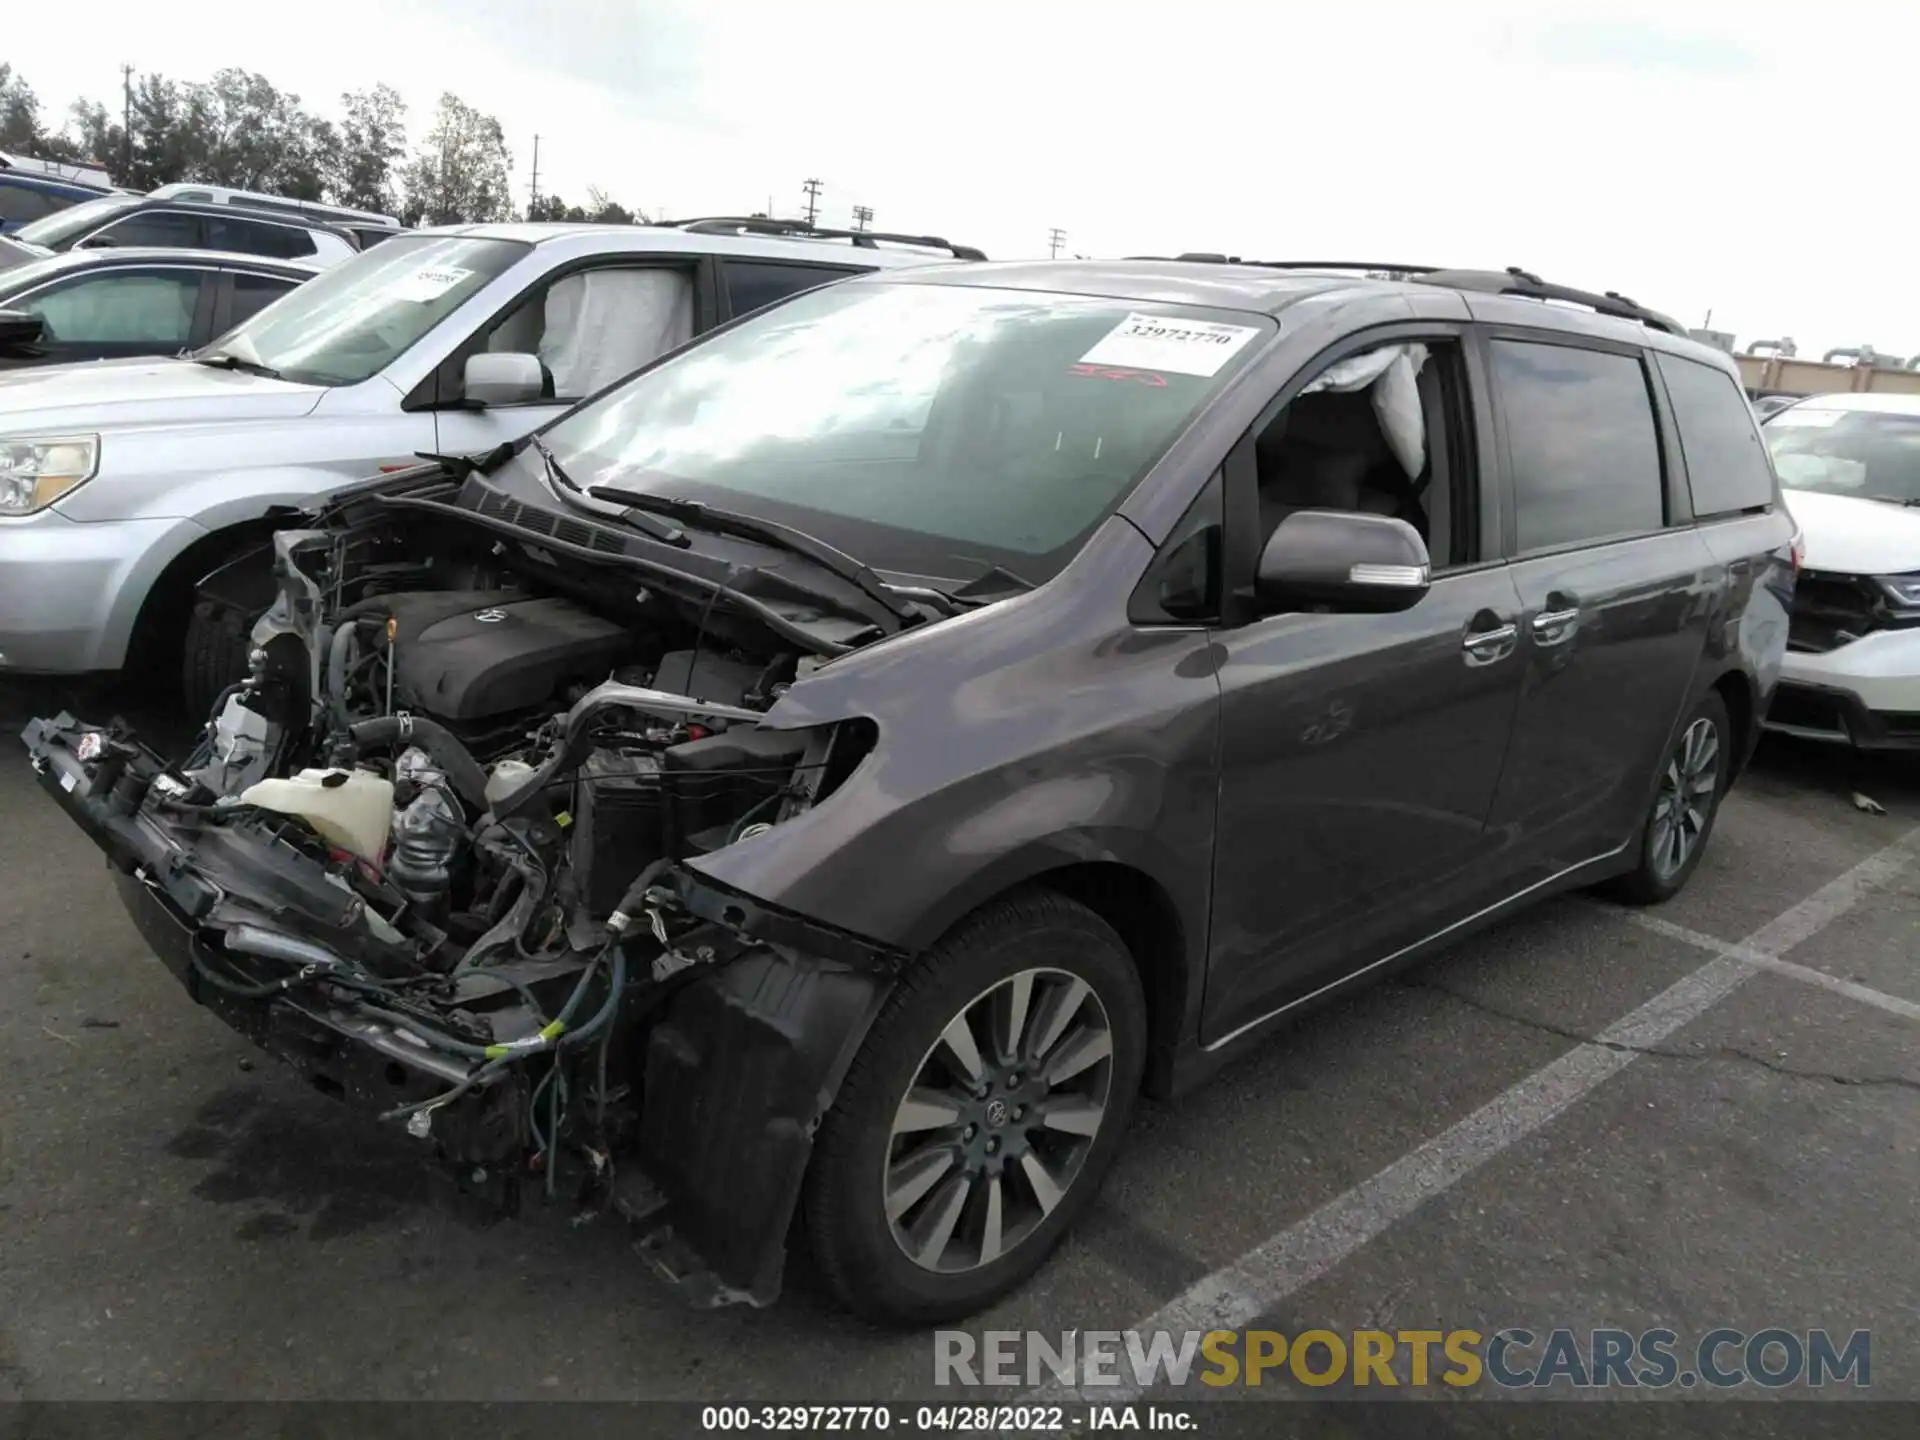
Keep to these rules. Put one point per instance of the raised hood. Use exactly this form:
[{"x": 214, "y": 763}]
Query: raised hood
[
  {"x": 1849, "y": 536},
  {"x": 115, "y": 394}
]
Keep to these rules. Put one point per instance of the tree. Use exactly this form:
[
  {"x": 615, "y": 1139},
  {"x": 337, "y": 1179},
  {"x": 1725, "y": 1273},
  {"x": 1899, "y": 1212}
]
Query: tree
[
  {"x": 460, "y": 173},
  {"x": 603, "y": 209},
  {"x": 364, "y": 169},
  {"x": 19, "y": 113}
]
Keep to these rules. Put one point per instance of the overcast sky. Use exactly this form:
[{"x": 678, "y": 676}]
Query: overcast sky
[{"x": 1722, "y": 159}]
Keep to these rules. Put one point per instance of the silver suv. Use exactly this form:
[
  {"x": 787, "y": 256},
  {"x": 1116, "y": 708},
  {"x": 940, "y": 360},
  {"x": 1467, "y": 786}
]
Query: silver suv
[{"x": 123, "y": 485}]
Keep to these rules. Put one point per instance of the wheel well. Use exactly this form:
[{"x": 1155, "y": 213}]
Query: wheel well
[
  {"x": 159, "y": 630},
  {"x": 1143, "y": 914},
  {"x": 1736, "y": 693}
]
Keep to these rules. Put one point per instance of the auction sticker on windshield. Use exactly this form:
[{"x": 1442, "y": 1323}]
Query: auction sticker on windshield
[
  {"x": 1156, "y": 342},
  {"x": 431, "y": 283}
]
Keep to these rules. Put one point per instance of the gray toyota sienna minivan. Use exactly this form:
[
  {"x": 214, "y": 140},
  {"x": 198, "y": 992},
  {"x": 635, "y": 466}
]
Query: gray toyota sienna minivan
[{"x": 832, "y": 772}]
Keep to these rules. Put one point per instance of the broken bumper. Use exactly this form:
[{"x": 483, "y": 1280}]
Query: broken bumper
[{"x": 732, "y": 1071}]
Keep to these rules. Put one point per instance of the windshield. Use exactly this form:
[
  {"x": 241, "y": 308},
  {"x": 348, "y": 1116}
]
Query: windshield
[
  {"x": 352, "y": 321},
  {"x": 1873, "y": 454},
  {"x": 55, "y": 230},
  {"x": 930, "y": 430}
]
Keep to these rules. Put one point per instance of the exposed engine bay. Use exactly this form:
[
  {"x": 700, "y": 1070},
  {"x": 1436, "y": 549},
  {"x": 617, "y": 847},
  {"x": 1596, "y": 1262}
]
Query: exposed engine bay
[{"x": 430, "y": 852}]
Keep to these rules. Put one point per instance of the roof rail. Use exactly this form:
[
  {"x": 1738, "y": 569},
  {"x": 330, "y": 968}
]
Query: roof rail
[
  {"x": 1515, "y": 281},
  {"x": 801, "y": 230},
  {"x": 1212, "y": 258}
]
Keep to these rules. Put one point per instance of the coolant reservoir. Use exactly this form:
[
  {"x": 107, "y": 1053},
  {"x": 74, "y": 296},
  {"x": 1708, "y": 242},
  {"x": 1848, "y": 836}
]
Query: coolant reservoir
[
  {"x": 505, "y": 778},
  {"x": 351, "y": 808}
]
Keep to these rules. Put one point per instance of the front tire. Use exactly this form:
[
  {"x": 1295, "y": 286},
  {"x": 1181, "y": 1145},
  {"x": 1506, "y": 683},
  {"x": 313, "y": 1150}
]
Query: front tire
[
  {"x": 217, "y": 641},
  {"x": 981, "y": 1115},
  {"x": 1686, "y": 802}
]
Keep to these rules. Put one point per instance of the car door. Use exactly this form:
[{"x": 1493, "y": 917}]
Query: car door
[
  {"x": 1615, "y": 587},
  {"x": 120, "y": 311},
  {"x": 589, "y": 326},
  {"x": 1362, "y": 753}
]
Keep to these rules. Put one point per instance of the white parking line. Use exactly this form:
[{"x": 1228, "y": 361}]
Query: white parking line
[
  {"x": 1806, "y": 974},
  {"x": 1259, "y": 1280}
]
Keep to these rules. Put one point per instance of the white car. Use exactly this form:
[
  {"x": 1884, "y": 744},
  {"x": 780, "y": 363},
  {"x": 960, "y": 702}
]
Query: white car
[
  {"x": 123, "y": 484},
  {"x": 1849, "y": 468}
]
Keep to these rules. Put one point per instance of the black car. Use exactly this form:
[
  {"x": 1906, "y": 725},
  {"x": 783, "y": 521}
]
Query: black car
[
  {"x": 833, "y": 771},
  {"x": 117, "y": 304}
]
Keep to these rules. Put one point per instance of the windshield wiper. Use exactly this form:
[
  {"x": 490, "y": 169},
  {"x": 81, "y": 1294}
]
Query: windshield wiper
[
  {"x": 227, "y": 360},
  {"x": 558, "y": 480},
  {"x": 768, "y": 532}
]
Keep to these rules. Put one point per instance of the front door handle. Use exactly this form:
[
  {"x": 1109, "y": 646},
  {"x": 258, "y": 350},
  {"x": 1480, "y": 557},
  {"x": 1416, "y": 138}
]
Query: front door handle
[
  {"x": 1485, "y": 647},
  {"x": 1551, "y": 627}
]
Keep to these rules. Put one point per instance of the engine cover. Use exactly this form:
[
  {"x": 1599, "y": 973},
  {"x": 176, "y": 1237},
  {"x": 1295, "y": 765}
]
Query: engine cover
[{"x": 470, "y": 656}]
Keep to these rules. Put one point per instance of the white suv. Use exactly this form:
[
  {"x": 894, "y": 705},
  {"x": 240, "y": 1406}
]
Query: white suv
[
  {"x": 123, "y": 485},
  {"x": 1849, "y": 468}
]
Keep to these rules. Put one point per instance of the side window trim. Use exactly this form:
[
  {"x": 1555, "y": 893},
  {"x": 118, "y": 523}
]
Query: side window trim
[{"x": 1503, "y": 457}]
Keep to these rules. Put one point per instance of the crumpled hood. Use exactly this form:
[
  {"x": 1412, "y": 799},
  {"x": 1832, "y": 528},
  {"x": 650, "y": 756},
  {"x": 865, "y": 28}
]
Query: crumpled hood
[
  {"x": 115, "y": 394},
  {"x": 1846, "y": 535}
]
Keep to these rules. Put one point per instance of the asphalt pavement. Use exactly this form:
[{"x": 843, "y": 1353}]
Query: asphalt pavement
[{"x": 1700, "y": 1116}]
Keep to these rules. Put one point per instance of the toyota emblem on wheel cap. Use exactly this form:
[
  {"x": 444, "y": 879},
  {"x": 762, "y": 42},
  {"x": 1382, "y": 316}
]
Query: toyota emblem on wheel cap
[{"x": 490, "y": 617}]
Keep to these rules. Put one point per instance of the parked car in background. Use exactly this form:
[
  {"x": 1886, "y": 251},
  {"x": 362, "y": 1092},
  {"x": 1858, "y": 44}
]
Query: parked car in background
[
  {"x": 126, "y": 484},
  {"x": 116, "y": 304},
  {"x": 1850, "y": 465},
  {"x": 368, "y": 227},
  {"x": 79, "y": 172},
  {"x": 30, "y": 195},
  {"x": 1765, "y": 405},
  {"x": 816, "y": 786},
  {"x": 143, "y": 220}
]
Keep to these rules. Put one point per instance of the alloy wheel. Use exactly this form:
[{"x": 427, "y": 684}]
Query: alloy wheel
[
  {"x": 998, "y": 1120},
  {"x": 1688, "y": 788}
]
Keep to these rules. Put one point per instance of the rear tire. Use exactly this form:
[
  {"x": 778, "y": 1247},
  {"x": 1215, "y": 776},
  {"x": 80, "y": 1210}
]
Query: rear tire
[
  {"x": 1017, "y": 1153},
  {"x": 1686, "y": 802},
  {"x": 218, "y": 639}
]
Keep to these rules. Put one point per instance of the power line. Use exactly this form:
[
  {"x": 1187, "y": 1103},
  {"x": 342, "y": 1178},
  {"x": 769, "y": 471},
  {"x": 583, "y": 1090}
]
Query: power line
[
  {"x": 812, "y": 187},
  {"x": 1056, "y": 237},
  {"x": 862, "y": 216}
]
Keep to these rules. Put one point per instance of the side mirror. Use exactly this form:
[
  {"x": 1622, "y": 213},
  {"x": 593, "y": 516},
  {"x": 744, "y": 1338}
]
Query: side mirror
[
  {"x": 1368, "y": 564},
  {"x": 19, "y": 330},
  {"x": 501, "y": 377}
]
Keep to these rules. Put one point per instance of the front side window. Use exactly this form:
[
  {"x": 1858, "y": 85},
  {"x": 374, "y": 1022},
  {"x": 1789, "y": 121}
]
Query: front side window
[
  {"x": 1581, "y": 444},
  {"x": 168, "y": 228},
  {"x": 931, "y": 430},
  {"x": 592, "y": 327},
  {"x": 58, "y": 230},
  {"x": 127, "y": 307},
  {"x": 361, "y": 315},
  {"x": 1871, "y": 454},
  {"x": 22, "y": 203},
  {"x": 1727, "y": 468}
]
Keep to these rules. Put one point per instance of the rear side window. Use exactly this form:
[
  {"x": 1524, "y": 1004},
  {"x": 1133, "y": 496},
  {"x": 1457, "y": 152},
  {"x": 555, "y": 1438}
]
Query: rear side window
[
  {"x": 253, "y": 293},
  {"x": 21, "y": 203},
  {"x": 1581, "y": 444},
  {"x": 251, "y": 237},
  {"x": 1727, "y": 469},
  {"x": 751, "y": 285}
]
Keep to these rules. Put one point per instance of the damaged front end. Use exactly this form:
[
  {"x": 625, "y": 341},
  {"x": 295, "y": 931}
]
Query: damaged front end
[{"x": 426, "y": 857}]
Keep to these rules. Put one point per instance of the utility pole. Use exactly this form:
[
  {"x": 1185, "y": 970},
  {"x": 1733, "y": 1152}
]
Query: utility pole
[
  {"x": 812, "y": 187},
  {"x": 126, "y": 124},
  {"x": 1056, "y": 237},
  {"x": 862, "y": 216},
  {"x": 533, "y": 186}
]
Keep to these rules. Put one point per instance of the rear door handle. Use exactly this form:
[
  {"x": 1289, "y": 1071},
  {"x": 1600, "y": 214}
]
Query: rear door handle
[
  {"x": 1551, "y": 627},
  {"x": 1484, "y": 647}
]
